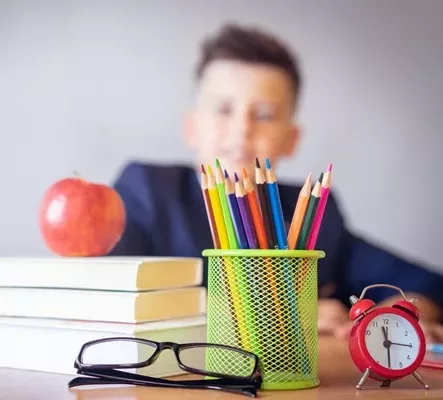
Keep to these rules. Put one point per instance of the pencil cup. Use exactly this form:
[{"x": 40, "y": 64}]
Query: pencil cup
[{"x": 265, "y": 301}]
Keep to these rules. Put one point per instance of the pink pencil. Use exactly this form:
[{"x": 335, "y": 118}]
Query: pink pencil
[{"x": 316, "y": 224}]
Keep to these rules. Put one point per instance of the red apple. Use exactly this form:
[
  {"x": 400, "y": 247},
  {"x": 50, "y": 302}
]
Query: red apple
[{"x": 79, "y": 218}]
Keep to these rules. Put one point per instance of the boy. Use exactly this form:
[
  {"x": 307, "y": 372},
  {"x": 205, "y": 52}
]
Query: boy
[{"x": 248, "y": 92}]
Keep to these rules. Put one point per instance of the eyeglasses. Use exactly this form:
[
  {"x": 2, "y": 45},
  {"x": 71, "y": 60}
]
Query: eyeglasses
[{"x": 226, "y": 368}]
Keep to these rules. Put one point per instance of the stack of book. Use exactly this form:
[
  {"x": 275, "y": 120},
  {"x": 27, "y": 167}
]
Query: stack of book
[{"x": 49, "y": 307}]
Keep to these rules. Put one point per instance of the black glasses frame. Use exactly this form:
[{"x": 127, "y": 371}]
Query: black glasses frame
[
  {"x": 110, "y": 374},
  {"x": 113, "y": 377}
]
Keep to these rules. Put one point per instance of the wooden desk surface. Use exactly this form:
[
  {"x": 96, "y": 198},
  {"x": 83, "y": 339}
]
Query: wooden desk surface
[{"x": 338, "y": 377}]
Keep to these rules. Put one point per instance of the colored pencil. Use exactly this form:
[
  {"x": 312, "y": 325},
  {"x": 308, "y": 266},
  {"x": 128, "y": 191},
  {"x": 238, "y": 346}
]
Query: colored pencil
[
  {"x": 255, "y": 211},
  {"x": 220, "y": 181},
  {"x": 245, "y": 213},
  {"x": 290, "y": 279},
  {"x": 299, "y": 213},
  {"x": 217, "y": 209},
  {"x": 265, "y": 205},
  {"x": 263, "y": 243},
  {"x": 277, "y": 213},
  {"x": 316, "y": 223},
  {"x": 230, "y": 266},
  {"x": 310, "y": 212},
  {"x": 235, "y": 212},
  {"x": 208, "y": 207}
]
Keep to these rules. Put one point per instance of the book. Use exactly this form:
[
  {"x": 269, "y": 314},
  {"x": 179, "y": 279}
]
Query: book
[
  {"x": 433, "y": 360},
  {"x": 108, "y": 306},
  {"x": 52, "y": 345},
  {"x": 102, "y": 273}
]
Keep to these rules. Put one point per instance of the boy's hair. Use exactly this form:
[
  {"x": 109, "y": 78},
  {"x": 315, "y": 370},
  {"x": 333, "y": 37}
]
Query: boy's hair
[{"x": 249, "y": 44}]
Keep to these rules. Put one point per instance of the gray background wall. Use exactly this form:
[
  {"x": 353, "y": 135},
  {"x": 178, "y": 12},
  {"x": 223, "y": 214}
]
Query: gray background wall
[{"x": 88, "y": 85}]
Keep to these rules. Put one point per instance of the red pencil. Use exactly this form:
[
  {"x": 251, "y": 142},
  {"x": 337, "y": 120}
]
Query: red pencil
[
  {"x": 209, "y": 213},
  {"x": 255, "y": 211},
  {"x": 265, "y": 206}
]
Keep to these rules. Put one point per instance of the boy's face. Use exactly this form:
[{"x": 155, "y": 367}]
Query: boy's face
[{"x": 243, "y": 111}]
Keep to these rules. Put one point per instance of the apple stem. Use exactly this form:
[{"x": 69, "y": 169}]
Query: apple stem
[{"x": 77, "y": 174}]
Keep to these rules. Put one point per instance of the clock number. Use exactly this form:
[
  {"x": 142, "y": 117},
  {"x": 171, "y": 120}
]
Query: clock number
[
  {"x": 368, "y": 332},
  {"x": 408, "y": 357},
  {"x": 400, "y": 364},
  {"x": 397, "y": 324},
  {"x": 406, "y": 333},
  {"x": 386, "y": 321},
  {"x": 375, "y": 324}
]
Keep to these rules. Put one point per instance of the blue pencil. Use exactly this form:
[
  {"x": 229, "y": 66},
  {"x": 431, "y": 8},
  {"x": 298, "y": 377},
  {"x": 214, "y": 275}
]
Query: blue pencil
[
  {"x": 235, "y": 213},
  {"x": 277, "y": 213},
  {"x": 282, "y": 243}
]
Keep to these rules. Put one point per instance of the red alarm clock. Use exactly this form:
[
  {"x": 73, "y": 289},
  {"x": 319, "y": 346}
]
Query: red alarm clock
[{"x": 386, "y": 343}]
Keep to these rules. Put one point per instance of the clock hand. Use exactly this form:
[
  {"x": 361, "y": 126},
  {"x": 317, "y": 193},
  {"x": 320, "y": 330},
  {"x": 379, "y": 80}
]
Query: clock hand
[
  {"x": 402, "y": 344},
  {"x": 389, "y": 348},
  {"x": 385, "y": 332},
  {"x": 387, "y": 343}
]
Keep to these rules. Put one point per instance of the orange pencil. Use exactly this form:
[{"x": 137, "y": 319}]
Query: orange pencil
[
  {"x": 209, "y": 212},
  {"x": 255, "y": 211},
  {"x": 299, "y": 213}
]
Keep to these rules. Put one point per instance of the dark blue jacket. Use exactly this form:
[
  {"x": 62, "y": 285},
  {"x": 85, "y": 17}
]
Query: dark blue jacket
[{"x": 166, "y": 217}]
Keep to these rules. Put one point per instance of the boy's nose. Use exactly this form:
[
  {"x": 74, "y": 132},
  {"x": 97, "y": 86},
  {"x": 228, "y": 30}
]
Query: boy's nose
[{"x": 242, "y": 129}]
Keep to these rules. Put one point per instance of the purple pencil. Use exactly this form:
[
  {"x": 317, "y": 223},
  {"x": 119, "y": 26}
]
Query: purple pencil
[
  {"x": 235, "y": 213},
  {"x": 245, "y": 213}
]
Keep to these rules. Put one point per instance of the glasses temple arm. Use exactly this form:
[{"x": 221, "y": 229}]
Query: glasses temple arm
[
  {"x": 238, "y": 388},
  {"x": 116, "y": 374},
  {"x": 83, "y": 381}
]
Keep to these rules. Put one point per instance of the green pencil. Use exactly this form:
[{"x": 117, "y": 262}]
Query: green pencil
[
  {"x": 310, "y": 213},
  {"x": 220, "y": 181}
]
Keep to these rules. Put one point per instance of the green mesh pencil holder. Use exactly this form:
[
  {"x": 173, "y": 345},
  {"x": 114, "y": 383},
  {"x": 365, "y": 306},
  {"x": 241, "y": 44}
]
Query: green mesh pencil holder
[{"x": 265, "y": 301}]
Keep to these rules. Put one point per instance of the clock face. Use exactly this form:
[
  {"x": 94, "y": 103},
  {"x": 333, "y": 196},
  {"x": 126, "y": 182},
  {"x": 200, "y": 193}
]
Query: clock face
[{"x": 392, "y": 341}]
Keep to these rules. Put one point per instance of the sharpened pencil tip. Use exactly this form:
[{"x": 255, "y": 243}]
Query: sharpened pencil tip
[
  {"x": 309, "y": 178},
  {"x": 236, "y": 177},
  {"x": 257, "y": 163},
  {"x": 217, "y": 163},
  {"x": 329, "y": 168},
  {"x": 320, "y": 178},
  {"x": 208, "y": 168},
  {"x": 268, "y": 164},
  {"x": 244, "y": 173},
  {"x": 203, "y": 169},
  {"x": 226, "y": 174}
]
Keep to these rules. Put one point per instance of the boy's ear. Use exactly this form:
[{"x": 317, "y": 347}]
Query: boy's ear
[
  {"x": 189, "y": 129},
  {"x": 293, "y": 142}
]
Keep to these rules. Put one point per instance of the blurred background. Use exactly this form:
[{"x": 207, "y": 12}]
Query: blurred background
[{"x": 90, "y": 85}]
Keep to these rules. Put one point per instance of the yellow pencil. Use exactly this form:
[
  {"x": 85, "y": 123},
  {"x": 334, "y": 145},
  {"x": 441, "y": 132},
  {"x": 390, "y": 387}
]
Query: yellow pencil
[
  {"x": 299, "y": 213},
  {"x": 217, "y": 209}
]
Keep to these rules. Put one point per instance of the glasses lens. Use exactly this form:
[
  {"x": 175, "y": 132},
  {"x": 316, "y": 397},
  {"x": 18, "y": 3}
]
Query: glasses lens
[
  {"x": 212, "y": 359},
  {"x": 117, "y": 351}
]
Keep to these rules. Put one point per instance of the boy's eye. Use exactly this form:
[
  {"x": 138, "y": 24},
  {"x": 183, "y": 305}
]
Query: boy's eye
[
  {"x": 265, "y": 112},
  {"x": 224, "y": 109}
]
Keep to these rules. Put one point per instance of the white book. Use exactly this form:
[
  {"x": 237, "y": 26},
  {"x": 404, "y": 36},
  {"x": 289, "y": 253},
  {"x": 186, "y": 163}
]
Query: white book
[
  {"x": 52, "y": 345},
  {"x": 101, "y": 273},
  {"x": 110, "y": 306}
]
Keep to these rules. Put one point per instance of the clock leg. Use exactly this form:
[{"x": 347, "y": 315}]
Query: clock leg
[
  {"x": 362, "y": 379},
  {"x": 386, "y": 383},
  {"x": 421, "y": 380}
]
